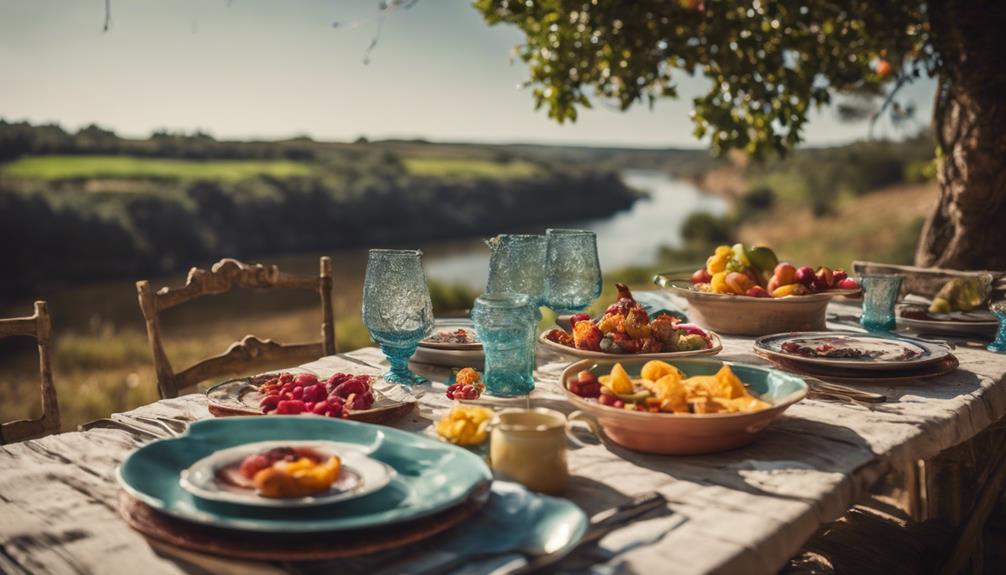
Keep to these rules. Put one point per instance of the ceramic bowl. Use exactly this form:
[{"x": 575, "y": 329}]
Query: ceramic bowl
[
  {"x": 754, "y": 316},
  {"x": 686, "y": 433}
]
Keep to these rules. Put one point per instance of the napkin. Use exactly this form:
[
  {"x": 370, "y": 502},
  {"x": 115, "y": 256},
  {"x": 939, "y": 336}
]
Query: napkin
[{"x": 483, "y": 543}]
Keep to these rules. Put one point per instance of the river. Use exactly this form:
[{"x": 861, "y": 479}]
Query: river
[{"x": 629, "y": 238}]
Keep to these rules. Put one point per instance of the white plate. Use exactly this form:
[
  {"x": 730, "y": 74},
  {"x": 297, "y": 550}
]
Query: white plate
[
  {"x": 565, "y": 350},
  {"x": 452, "y": 324},
  {"x": 888, "y": 346},
  {"x": 360, "y": 475}
]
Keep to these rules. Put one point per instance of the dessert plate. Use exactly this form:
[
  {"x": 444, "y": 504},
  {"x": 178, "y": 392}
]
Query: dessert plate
[
  {"x": 430, "y": 476},
  {"x": 850, "y": 350},
  {"x": 241, "y": 396},
  {"x": 359, "y": 475}
]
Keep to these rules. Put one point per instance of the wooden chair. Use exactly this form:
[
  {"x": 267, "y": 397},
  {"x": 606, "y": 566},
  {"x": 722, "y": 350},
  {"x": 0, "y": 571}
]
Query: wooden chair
[
  {"x": 250, "y": 351},
  {"x": 38, "y": 327}
]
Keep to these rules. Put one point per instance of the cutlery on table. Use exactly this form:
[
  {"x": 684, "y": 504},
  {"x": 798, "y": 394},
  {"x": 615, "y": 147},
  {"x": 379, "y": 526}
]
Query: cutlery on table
[
  {"x": 600, "y": 525},
  {"x": 537, "y": 555}
]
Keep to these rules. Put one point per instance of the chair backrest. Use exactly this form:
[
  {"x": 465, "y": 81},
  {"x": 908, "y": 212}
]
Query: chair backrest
[
  {"x": 250, "y": 351},
  {"x": 38, "y": 327}
]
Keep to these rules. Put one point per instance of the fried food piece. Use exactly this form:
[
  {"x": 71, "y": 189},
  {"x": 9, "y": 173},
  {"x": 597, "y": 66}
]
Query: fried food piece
[
  {"x": 467, "y": 376},
  {"x": 637, "y": 324},
  {"x": 655, "y": 369},
  {"x": 611, "y": 322},
  {"x": 587, "y": 336},
  {"x": 620, "y": 381}
]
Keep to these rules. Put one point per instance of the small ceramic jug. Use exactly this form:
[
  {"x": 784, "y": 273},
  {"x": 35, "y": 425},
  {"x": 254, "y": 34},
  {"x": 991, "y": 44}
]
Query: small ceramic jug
[{"x": 529, "y": 446}]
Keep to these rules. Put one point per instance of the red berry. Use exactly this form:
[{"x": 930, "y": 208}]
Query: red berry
[
  {"x": 351, "y": 386},
  {"x": 450, "y": 394},
  {"x": 290, "y": 407},
  {"x": 315, "y": 393},
  {"x": 336, "y": 379},
  {"x": 320, "y": 407},
  {"x": 285, "y": 377},
  {"x": 838, "y": 275},
  {"x": 305, "y": 379},
  {"x": 268, "y": 403},
  {"x": 297, "y": 392},
  {"x": 757, "y": 291},
  {"x": 618, "y": 404},
  {"x": 848, "y": 283},
  {"x": 606, "y": 399},
  {"x": 586, "y": 376}
]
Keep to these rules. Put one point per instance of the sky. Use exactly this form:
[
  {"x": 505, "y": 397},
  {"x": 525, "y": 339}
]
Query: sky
[{"x": 276, "y": 68}]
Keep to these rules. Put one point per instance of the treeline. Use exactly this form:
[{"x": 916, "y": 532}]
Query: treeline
[
  {"x": 21, "y": 139},
  {"x": 820, "y": 177}
]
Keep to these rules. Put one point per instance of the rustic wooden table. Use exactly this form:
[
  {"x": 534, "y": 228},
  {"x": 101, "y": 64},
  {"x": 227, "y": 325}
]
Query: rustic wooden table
[{"x": 743, "y": 511}]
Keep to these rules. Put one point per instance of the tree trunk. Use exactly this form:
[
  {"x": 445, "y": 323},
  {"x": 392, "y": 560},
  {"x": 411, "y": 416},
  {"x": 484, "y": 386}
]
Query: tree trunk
[{"x": 967, "y": 229}]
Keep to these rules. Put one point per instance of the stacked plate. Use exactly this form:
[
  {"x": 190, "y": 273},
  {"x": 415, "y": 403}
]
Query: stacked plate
[
  {"x": 453, "y": 343},
  {"x": 857, "y": 357},
  {"x": 918, "y": 317},
  {"x": 394, "y": 488}
]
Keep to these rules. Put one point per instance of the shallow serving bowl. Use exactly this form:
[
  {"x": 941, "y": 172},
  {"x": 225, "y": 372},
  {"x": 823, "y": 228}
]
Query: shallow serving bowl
[
  {"x": 687, "y": 433},
  {"x": 753, "y": 316}
]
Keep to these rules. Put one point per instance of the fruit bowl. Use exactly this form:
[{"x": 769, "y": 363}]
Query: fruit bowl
[
  {"x": 688, "y": 433},
  {"x": 753, "y": 316}
]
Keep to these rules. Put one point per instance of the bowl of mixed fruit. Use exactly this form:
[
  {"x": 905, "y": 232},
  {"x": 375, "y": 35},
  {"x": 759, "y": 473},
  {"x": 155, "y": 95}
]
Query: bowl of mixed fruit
[
  {"x": 684, "y": 406},
  {"x": 746, "y": 290}
]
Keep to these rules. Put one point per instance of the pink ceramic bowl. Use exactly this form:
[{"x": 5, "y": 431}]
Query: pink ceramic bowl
[{"x": 686, "y": 433}]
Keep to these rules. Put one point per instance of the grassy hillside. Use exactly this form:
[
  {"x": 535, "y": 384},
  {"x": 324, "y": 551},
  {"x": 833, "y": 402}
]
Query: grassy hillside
[{"x": 127, "y": 167}]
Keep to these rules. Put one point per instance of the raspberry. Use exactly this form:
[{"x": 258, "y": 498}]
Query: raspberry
[{"x": 290, "y": 407}]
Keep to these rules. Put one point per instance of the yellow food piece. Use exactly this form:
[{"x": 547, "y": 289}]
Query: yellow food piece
[
  {"x": 465, "y": 425},
  {"x": 717, "y": 264},
  {"x": 723, "y": 251},
  {"x": 655, "y": 369},
  {"x": 719, "y": 283},
  {"x": 789, "y": 289},
  {"x": 299, "y": 478},
  {"x": 611, "y": 322},
  {"x": 673, "y": 395},
  {"x": 620, "y": 381}
]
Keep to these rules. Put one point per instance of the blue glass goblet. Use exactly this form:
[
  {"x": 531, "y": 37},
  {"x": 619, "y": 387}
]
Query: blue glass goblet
[
  {"x": 397, "y": 309},
  {"x": 505, "y": 323},
  {"x": 573, "y": 271},
  {"x": 517, "y": 265},
  {"x": 999, "y": 310},
  {"x": 880, "y": 294}
]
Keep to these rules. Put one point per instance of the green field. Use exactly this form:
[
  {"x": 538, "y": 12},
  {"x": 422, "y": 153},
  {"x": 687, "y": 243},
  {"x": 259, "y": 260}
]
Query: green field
[
  {"x": 469, "y": 168},
  {"x": 72, "y": 167}
]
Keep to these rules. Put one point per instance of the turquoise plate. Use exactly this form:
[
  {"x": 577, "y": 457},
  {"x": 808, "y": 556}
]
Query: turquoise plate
[{"x": 432, "y": 475}]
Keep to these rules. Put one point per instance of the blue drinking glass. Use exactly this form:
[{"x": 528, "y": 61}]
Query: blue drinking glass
[
  {"x": 880, "y": 294},
  {"x": 572, "y": 270},
  {"x": 999, "y": 309},
  {"x": 517, "y": 265},
  {"x": 505, "y": 325},
  {"x": 397, "y": 309}
]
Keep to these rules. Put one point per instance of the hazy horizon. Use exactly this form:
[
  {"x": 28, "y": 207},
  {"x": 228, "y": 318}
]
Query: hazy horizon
[{"x": 252, "y": 69}]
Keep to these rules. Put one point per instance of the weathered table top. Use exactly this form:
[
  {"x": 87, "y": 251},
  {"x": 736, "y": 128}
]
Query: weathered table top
[{"x": 743, "y": 511}]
